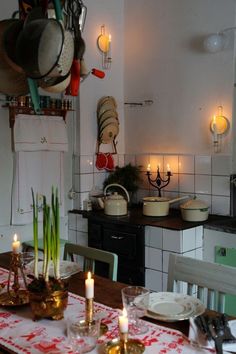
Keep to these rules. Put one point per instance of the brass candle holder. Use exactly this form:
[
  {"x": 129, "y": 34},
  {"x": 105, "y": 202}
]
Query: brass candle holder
[
  {"x": 89, "y": 312},
  {"x": 89, "y": 309},
  {"x": 14, "y": 295},
  {"x": 124, "y": 343}
]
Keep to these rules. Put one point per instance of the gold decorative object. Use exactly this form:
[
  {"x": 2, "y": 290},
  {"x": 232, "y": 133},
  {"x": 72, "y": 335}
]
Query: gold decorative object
[
  {"x": 89, "y": 311},
  {"x": 48, "y": 295},
  {"x": 14, "y": 295},
  {"x": 116, "y": 346},
  {"x": 48, "y": 305}
]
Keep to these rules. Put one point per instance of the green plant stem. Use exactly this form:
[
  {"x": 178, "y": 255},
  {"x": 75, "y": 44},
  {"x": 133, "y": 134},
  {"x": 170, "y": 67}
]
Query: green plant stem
[
  {"x": 51, "y": 235},
  {"x": 35, "y": 232}
]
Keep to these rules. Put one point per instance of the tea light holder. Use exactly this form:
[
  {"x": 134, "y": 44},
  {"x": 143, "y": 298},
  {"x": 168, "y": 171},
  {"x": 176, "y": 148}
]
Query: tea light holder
[{"x": 159, "y": 182}]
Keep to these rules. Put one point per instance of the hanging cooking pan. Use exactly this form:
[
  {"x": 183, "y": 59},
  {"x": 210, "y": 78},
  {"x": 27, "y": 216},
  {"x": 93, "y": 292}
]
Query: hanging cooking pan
[
  {"x": 12, "y": 82},
  {"x": 12, "y": 32},
  {"x": 56, "y": 85},
  {"x": 44, "y": 48},
  {"x": 74, "y": 10},
  {"x": 9, "y": 40}
]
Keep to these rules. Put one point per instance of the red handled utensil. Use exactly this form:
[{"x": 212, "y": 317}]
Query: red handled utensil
[{"x": 95, "y": 72}]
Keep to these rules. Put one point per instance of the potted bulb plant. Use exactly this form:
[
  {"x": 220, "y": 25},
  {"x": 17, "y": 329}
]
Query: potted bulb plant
[{"x": 48, "y": 294}]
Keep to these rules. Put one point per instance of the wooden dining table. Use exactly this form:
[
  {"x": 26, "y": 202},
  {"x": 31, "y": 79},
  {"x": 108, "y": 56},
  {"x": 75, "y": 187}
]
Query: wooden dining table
[{"x": 106, "y": 292}]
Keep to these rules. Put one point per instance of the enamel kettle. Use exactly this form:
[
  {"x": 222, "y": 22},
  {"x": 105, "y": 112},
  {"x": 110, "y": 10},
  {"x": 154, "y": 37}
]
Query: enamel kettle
[{"x": 114, "y": 204}]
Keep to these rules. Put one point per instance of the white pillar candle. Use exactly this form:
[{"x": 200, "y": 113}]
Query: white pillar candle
[
  {"x": 89, "y": 287},
  {"x": 123, "y": 322},
  {"x": 15, "y": 244}
]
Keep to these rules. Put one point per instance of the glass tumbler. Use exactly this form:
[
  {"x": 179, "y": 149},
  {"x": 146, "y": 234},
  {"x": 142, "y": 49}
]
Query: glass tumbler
[
  {"x": 82, "y": 335},
  {"x": 135, "y": 300}
]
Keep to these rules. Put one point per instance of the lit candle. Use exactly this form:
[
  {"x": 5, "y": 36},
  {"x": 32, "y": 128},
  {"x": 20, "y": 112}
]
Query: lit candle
[
  {"x": 123, "y": 322},
  {"x": 89, "y": 287},
  {"x": 168, "y": 168},
  {"x": 149, "y": 168},
  {"x": 158, "y": 167},
  {"x": 214, "y": 128},
  {"x": 15, "y": 244}
]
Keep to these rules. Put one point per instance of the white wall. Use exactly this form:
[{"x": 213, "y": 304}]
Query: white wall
[
  {"x": 165, "y": 62},
  {"x": 6, "y": 166},
  {"x": 109, "y": 13}
]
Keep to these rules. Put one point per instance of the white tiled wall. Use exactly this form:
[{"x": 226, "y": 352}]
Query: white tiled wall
[
  {"x": 78, "y": 229},
  {"x": 207, "y": 177},
  {"x": 159, "y": 243},
  {"x": 87, "y": 177}
]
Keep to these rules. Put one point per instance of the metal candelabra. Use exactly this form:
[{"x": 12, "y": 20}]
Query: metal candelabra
[
  {"x": 15, "y": 294},
  {"x": 159, "y": 182}
]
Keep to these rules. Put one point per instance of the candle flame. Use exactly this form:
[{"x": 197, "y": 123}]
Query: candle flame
[
  {"x": 89, "y": 275},
  {"x": 214, "y": 120},
  {"x": 124, "y": 312},
  {"x": 109, "y": 37},
  {"x": 15, "y": 237},
  {"x": 168, "y": 167},
  {"x": 149, "y": 167}
]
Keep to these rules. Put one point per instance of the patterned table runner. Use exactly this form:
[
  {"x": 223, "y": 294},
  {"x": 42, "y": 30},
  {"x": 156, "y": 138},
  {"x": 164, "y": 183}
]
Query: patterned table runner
[{"x": 22, "y": 335}]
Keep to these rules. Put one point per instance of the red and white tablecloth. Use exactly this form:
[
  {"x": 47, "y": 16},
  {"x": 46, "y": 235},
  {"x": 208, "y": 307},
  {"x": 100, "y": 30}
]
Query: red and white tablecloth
[{"x": 21, "y": 334}]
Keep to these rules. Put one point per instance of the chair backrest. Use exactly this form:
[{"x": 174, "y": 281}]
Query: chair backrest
[
  {"x": 209, "y": 282},
  {"x": 90, "y": 256}
]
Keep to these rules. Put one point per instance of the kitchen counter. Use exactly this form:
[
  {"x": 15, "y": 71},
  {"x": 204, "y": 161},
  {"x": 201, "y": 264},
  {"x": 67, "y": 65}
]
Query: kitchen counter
[{"x": 173, "y": 221}]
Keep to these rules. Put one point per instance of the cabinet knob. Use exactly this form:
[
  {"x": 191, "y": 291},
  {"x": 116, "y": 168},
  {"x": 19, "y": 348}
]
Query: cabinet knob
[{"x": 114, "y": 237}]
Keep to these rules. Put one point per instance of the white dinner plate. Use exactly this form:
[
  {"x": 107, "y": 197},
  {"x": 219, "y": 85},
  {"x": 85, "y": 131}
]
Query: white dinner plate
[
  {"x": 168, "y": 306},
  {"x": 67, "y": 268}
]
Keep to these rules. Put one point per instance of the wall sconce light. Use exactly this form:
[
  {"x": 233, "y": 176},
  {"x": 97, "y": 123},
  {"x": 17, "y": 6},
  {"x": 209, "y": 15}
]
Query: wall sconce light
[
  {"x": 217, "y": 41},
  {"x": 104, "y": 45},
  {"x": 219, "y": 126}
]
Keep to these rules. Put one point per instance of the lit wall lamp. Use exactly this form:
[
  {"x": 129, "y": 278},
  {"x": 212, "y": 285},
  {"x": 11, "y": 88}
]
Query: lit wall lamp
[
  {"x": 104, "y": 45},
  {"x": 217, "y": 41},
  {"x": 219, "y": 126}
]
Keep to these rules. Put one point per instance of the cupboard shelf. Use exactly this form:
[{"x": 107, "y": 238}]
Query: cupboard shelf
[{"x": 14, "y": 110}]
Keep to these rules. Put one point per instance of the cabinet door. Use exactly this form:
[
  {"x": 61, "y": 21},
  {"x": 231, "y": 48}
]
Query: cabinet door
[
  {"x": 129, "y": 246},
  {"x": 227, "y": 256},
  {"x": 94, "y": 235},
  {"x": 124, "y": 244}
]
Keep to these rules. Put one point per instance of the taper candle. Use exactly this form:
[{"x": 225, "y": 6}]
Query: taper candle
[
  {"x": 89, "y": 287},
  {"x": 123, "y": 322},
  {"x": 15, "y": 244}
]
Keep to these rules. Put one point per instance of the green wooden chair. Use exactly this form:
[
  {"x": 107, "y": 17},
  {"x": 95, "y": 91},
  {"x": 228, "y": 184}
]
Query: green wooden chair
[
  {"x": 209, "y": 282},
  {"x": 90, "y": 256}
]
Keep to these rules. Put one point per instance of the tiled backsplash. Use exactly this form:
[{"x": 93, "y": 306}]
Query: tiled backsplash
[{"x": 207, "y": 177}]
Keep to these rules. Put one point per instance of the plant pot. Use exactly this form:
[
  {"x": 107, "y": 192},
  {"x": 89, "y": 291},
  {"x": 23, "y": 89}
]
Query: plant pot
[{"x": 48, "y": 303}]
